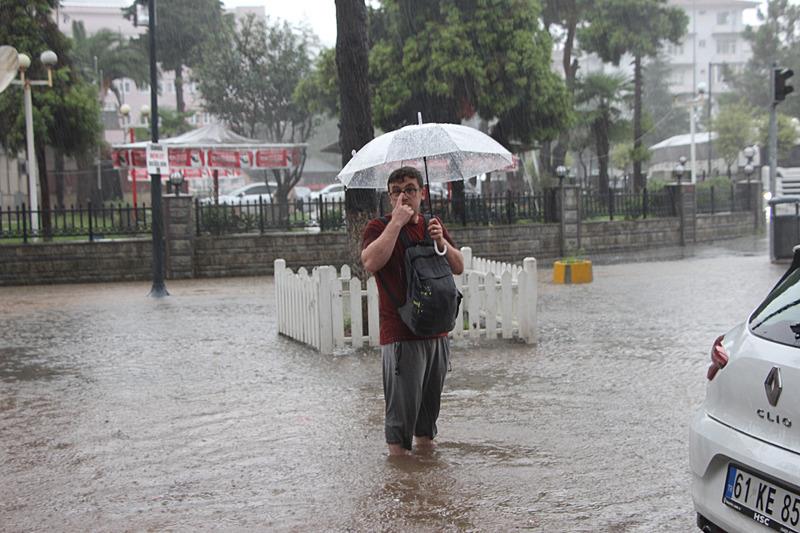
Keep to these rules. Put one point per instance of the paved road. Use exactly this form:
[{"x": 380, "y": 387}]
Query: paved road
[{"x": 119, "y": 412}]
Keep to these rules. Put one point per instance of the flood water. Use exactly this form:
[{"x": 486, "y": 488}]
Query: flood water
[{"x": 119, "y": 412}]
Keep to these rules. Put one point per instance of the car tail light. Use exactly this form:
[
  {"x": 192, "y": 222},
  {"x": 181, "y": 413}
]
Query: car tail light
[{"x": 719, "y": 358}]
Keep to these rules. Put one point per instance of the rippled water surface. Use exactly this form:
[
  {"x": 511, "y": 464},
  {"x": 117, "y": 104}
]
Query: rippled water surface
[{"x": 120, "y": 412}]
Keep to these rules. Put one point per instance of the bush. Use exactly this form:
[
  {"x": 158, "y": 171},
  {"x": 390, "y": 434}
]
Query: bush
[{"x": 222, "y": 219}]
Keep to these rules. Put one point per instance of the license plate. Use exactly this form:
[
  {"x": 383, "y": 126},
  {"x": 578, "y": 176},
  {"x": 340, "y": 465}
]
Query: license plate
[{"x": 766, "y": 502}]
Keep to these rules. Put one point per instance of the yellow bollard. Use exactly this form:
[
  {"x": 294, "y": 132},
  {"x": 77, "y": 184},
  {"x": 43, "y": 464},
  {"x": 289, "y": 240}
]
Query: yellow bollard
[{"x": 566, "y": 272}]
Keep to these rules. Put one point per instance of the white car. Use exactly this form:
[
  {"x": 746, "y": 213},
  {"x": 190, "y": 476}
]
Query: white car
[
  {"x": 744, "y": 442},
  {"x": 331, "y": 193},
  {"x": 248, "y": 194}
]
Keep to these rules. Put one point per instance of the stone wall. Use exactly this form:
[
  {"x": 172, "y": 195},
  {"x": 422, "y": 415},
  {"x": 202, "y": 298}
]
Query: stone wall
[
  {"x": 629, "y": 235},
  {"x": 75, "y": 262}
]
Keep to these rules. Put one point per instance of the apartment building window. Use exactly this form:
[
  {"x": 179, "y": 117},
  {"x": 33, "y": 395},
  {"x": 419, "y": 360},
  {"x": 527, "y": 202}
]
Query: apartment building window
[
  {"x": 701, "y": 43},
  {"x": 723, "y": 17},
  {"x": 726, "y": 45},
  {"x": 675, "y": 49},
  {"x": 126, "y": 87},
  {"x": 676, "y": 77}
]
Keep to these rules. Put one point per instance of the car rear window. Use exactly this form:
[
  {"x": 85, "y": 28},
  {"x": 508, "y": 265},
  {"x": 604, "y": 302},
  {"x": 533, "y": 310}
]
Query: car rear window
[{"x": 778, "y": 317}]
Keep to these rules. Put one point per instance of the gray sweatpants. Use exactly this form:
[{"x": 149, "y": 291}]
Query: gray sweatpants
[{"x": 413, "y": 378}]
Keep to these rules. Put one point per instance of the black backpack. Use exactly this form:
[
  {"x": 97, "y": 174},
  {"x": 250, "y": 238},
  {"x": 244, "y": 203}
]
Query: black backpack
[{"x": 432, "y": 298}]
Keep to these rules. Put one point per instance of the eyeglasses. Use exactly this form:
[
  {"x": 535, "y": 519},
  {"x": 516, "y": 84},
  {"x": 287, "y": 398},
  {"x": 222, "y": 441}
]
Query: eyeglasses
[{"x": 408, "y": 191}]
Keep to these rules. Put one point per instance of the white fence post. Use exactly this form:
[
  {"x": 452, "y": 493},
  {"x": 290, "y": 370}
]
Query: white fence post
[
  {"x": 466, "y": 251},
  {"x": 372, "y": 312},
  {"x": 279, "y": 267},
  {"x": 529, "y": 273},
  {"x": 326, "y": 274},
  {"x": 356, "y": 324},
  {"x": 491, "y": 305}
]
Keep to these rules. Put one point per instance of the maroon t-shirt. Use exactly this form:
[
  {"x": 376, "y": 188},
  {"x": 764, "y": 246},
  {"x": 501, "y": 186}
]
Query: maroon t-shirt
[{"x": 393, "y": 275}]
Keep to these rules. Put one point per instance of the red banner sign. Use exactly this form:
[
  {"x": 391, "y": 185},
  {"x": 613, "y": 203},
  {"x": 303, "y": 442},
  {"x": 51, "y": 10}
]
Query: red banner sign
[
  {"x": 186, "y": 157},
  {"x": 229, "y": 158},
  {"x": 272, "y": 158}
]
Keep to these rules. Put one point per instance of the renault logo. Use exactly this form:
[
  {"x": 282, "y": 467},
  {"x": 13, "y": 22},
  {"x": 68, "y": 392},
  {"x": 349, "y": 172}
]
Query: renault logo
[{"x": 773, "y": 386}]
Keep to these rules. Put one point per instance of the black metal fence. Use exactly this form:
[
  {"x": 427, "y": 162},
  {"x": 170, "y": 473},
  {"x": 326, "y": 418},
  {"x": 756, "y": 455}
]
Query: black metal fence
[
  {"x": 625, "y": 205},
  {"x": 724, "y": 198},
  {"x": 92, "y": 222},
  {"x": 262, "y": 216}
]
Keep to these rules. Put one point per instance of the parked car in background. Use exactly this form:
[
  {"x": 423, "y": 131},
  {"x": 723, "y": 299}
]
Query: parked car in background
[
  {"x": 439, "y": 191},
  {"x": 331, "y": 193},
  {"x": 744, "y": 441},
  {"x": 247, "y": 194}
]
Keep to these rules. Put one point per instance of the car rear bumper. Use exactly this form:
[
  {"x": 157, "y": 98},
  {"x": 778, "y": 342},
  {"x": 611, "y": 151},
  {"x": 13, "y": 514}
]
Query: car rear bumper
[{"x": 712, "y": 445}]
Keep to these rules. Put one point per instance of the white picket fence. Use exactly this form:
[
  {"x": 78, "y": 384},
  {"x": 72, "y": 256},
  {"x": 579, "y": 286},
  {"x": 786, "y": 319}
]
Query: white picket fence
[{"x": 315, "y": 308}]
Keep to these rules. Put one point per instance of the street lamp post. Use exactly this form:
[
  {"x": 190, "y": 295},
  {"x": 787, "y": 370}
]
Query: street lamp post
[
  {"x": 48, "y": 59},
  {"x": 561, "y": 172},
  {"x": 158, "y": 289},
  {"x": 698, "y": 98},
  {"x": 711, "y": 66}
]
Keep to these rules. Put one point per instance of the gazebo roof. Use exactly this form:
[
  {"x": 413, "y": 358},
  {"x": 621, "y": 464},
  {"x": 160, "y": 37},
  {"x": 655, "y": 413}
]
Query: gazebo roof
[{"x": 211, "y": 136}]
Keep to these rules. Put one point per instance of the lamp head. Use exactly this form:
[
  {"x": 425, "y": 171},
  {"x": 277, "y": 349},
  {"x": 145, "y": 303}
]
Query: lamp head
[
  {"x": 749, "y": 152},
  {"x": 176, "y": 178},
  {"x": 561, "y": 171},
  {"x": 748, "y": 170},
  {"x": 24, "y": 61},
  {"x": 701, "y": 88},
  {"x": 125, "y": 110},
  {"x": 48, "y": 58},
  {"x": 145, "y": 111},
  {"x": 682, "y": 160}
]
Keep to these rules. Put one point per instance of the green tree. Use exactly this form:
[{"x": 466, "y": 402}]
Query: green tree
[
  {"x": 640, "y": 28},
  {"x": 66, "y": 116},
  {"x": 319, "y": 90},
  {"x": 658, "y": 104},
  {"x": 451, "y": 59},
  {"x": 776, "y": 39},
  {"x": 736, "y": 128},
  {"x": 561, "y": 19},
  {"x": 249, "y": 81},
  {"x": 110, "y": 56},
  {"x": 787, "y": 133},
  {"x": 599, "y": 99},
  {"x": 184, "y": 29}
]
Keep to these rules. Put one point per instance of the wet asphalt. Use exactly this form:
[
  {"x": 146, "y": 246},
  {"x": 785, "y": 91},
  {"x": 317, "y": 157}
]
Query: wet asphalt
[{"x": 120, "y": 412}]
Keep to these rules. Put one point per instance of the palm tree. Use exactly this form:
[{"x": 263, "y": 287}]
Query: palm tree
[
  {"x": 598, "y": 100},
  {"x": 115, "y": 57}
]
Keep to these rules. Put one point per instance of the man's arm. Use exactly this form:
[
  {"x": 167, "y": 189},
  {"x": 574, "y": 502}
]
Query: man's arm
[{"x": 378, "y": 252}]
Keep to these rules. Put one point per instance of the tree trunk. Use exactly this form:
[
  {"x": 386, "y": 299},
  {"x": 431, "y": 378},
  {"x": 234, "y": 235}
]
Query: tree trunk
[
  {"x": 638, "y": 178},
  {"x": 355, "y": 129},
  {"x": 600, "y": 129},
  {"x": 179, "y": 103},
  {"x": 570, "y": 71}
]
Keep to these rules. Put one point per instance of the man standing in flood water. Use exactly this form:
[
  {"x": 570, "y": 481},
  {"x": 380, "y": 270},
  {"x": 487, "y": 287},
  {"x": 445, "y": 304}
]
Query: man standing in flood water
[{"x": 414, "y": 367}]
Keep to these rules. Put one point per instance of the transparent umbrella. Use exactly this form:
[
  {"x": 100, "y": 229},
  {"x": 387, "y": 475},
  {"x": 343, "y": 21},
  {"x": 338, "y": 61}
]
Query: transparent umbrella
[{"x": 443, "y": 152}]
